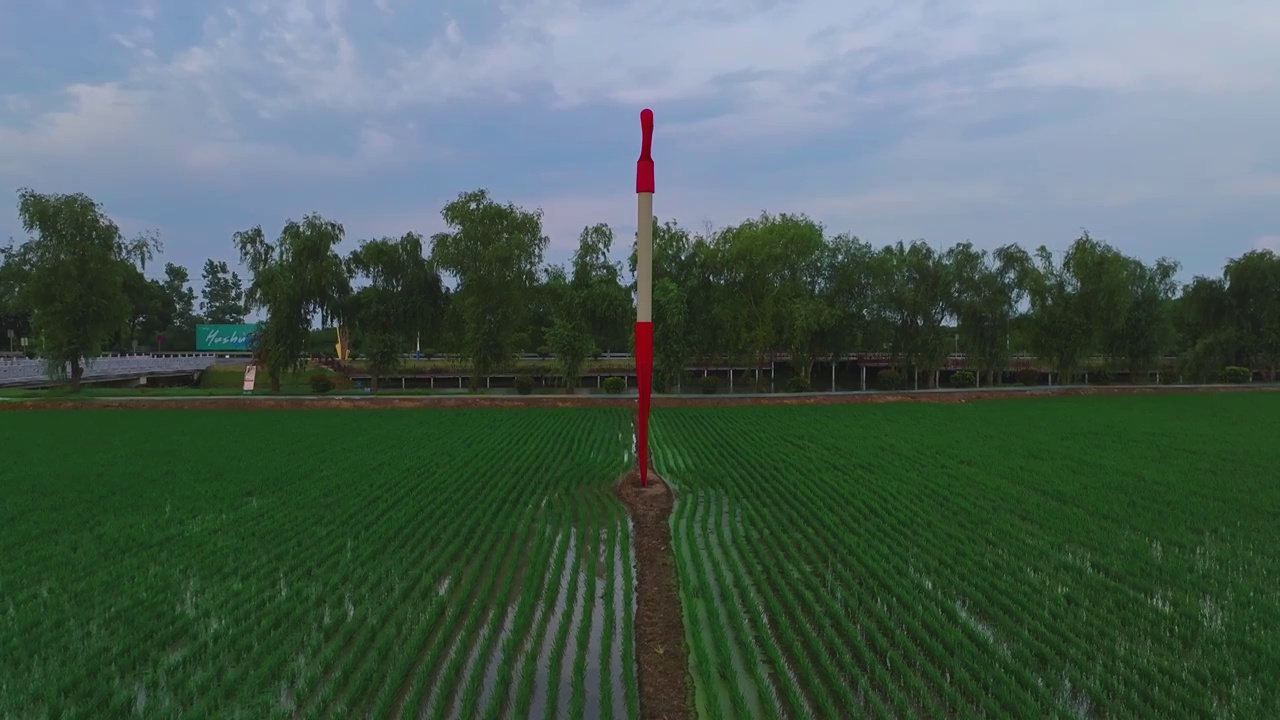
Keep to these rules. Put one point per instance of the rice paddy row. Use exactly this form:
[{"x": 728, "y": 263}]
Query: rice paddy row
[
  {"x": 1066, "y": 557},
  {"x": 311, "y": 564},
  {"x": 1061, "y": 557}
]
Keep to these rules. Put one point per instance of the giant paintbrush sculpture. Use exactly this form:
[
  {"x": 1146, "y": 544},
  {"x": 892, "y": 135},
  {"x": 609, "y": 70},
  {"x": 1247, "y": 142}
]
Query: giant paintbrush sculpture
[{"x": 644, "y": 288}]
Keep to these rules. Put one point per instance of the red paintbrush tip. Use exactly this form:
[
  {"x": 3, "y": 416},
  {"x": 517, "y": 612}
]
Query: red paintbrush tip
[{"x": 644, "y": 166}]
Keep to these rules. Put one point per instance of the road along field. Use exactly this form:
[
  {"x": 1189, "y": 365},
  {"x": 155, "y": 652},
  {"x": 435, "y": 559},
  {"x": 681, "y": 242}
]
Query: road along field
[
  {"x": 1061, "y": 557},
  {"x": 201, "y": 563}
]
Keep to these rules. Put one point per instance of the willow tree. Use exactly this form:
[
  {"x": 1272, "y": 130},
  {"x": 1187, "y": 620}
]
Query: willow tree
[
  {"x": 597, "y": 287},
  {"x": 587, "y": 305},
  {"x": 768, "y": 264},
  {"x": 1253, "y": 296},
  {"x": 569, "y": 334},
  {"x": 403, "y": 297},
  {"x": 850, "y": 287},
  {"x": 915, "y": 288},
  {"x": 295, "y": 278},
  {"x": 494, "y": 251},
  {"x": 75, "y": 267},
  {"x": 987, "y": 294},
  {"x": 1058, "y": 325}
]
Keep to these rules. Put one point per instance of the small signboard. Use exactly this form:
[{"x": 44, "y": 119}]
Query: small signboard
[
  {"x": 223, "y": 338},
  {"x": 250, "y": 374}
]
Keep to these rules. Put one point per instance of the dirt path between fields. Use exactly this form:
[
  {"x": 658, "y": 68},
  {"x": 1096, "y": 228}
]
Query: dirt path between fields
[
  {"x": 260, "y": 402},
  {"x": 660, "y": 641}
]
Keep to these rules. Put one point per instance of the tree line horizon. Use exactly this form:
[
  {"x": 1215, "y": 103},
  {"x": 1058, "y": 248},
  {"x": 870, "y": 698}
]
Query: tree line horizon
[{"x": 771, "y": 283}]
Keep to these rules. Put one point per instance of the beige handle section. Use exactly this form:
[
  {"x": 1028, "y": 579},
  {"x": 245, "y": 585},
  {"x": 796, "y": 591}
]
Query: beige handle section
[{"x": 644, "y": 257}]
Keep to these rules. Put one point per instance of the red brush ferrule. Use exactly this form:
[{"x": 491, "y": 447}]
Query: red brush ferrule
[{"x": 644, "y": 177}]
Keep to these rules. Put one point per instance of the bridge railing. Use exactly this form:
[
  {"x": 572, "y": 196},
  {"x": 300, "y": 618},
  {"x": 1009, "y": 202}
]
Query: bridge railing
[{"x": 24, "y": 370}]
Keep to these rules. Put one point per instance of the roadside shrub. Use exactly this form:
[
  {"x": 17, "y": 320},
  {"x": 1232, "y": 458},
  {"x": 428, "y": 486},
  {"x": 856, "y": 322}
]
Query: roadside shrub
[
  {"x": 798, "y": 384},
  {"x": 615, "y": 385},
  {"x": 888, "y": 379},
  {"x": 320, "y": 383},
  {"x": 963, "y": 379},
  {"x": 340, "y": 382},
  {"x": 1237, "y": 374},
  {"x": 710, "y": 384},
  {"x": 524, "y": 384},
  {"x": 1027, "y": 376}
]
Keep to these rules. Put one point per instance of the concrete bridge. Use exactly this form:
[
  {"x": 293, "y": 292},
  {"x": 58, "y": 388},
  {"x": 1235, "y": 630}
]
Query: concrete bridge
[{"x": 128, "y": 369}]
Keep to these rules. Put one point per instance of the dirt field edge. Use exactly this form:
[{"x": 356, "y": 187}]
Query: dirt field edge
[
  {"x": 661, "y": 655},
  {"x": 543, "y": 401}
]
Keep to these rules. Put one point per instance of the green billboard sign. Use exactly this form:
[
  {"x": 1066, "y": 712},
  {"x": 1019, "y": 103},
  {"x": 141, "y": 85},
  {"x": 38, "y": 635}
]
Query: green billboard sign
[{"x": 225, "y": 338}]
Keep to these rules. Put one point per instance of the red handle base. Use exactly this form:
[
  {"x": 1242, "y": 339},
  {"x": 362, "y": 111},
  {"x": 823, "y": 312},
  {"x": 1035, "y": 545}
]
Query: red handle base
[{"x": 644, "y": 377}]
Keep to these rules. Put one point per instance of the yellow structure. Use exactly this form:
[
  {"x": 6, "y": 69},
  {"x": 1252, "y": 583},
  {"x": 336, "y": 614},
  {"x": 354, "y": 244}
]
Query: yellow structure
[{"x": 344, "y": 343}]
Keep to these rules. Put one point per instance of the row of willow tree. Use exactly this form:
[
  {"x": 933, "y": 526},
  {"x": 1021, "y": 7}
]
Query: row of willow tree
[{"x": 774, "y": 283}]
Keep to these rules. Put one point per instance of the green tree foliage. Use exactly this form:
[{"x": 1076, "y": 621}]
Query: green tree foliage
[
  {"x": 1206, "y": 328},
  {"x": 1099, "y": 300},
  {"x": 1253, "y": 299},
  {"x": 570, "y": 333},
  {"x": 1058, "y": 326},
  {"x": 916, "y": 288},
  {"x": 598, "y": 290},
  {"x": 772, "y": 266},
  {"x": 1146, "y": 328},
  {"x": 986, "y": 296},
  {"x": 403, "y": 298},
  {"x": 738, "y": 295},
  {"x": 177, "y": 289},
  {"x": 745, "y": 291},
  {"x": 850, "y": 288},
  {"x": 295, "y": 279},
  {"x": 15, "y": 310},
  {"x": 569, "y": 336},
  {"x": 494, "y": 251},
  {"x": 76, "y": 266},
  {"x": 222, "y": 298},
  {"x": 151, "y": 310}
]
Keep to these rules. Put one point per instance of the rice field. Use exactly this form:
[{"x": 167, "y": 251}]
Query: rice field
[
  {"x": 1088, "y": 557},
  {"x": 1071, "y": 557},
  {"x": 275, "y": 563}
]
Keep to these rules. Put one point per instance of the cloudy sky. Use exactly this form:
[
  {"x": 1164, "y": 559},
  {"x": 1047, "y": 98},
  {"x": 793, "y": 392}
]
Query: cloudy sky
[{"x": 1152, "y": 123}]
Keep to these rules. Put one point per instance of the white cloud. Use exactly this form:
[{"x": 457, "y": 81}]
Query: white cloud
[
  {"x": 792, "y": 65},
  {"x": 804, "y": 63},
  {"x": 770, "y": 68},
  {"x": 1177, "y": 103}
]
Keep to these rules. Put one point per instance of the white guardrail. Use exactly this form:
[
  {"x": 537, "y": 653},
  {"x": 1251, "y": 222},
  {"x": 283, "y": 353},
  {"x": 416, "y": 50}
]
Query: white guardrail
[{"x": 22, "y": 371}]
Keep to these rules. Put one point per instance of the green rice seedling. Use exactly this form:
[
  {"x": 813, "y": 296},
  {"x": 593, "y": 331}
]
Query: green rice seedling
[
  {"x": 571, "y": 607},
  {"x": 628, "y": 622},
  {"x": 308, "y": 573},
  {"x": 1073, "y": 557},
  {"x": 542, "y": 640},
  {"x": 609, "y": 631}
]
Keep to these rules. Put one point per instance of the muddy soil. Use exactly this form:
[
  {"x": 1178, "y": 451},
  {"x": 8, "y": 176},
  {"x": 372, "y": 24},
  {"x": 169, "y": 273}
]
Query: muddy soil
[
  {"x": 259, "y": 402},
  {"x": 665, "y": 691}
]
